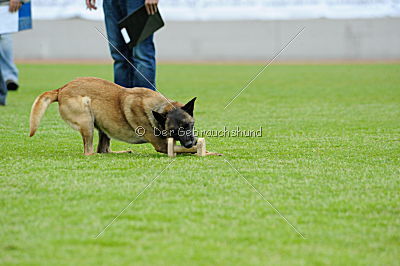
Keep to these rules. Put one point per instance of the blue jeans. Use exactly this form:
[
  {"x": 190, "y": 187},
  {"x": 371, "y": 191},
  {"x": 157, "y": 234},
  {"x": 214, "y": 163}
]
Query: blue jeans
[
  {"x": 7, "y": 66},
  {"x": 142, "y": 56},
  {"x": 3, "y": 90}
]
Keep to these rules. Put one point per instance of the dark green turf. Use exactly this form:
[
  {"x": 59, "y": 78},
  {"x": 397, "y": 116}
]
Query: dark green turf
[{"x": 328, "y": 160}]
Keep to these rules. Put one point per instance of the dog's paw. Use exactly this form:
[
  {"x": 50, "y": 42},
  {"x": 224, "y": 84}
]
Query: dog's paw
[
  {"x": 121, "y": 151},
  {"x": 209, "y": 153}
]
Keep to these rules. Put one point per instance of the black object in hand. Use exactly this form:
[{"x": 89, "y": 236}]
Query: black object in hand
[{"x": 139, "y": 25}]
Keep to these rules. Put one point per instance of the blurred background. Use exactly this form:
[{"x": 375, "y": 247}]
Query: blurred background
[{"x": 226, "y": 30}]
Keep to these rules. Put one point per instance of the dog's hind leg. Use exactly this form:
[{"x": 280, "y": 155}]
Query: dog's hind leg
[
  {"x": 87, "y": 136},
  {"x": 77, "y": 113}
]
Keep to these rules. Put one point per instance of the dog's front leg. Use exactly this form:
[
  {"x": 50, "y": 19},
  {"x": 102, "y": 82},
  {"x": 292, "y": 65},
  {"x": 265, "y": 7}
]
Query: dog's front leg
[
  {"x": 161, "y": 147},
  {"x": 104, "y": 144},
  {"x": 158, "y": 143}
]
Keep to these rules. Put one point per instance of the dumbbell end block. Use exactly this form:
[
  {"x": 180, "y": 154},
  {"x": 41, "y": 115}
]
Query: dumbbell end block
[{"x": 199, "y": 149}]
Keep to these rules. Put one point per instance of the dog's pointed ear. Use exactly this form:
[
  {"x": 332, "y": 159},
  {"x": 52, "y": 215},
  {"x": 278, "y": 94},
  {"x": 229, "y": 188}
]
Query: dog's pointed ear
[
  {"x": 188, "y": 108},
  {"x": 160, "y": 118}
]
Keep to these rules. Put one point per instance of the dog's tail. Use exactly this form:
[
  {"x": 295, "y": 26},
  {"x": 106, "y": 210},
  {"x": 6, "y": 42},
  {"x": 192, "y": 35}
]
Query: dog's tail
[{"x": 40, "y": 105}]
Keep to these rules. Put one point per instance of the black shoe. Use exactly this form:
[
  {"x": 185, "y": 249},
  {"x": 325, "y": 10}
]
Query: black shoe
[{"x": 12, "y": 85}]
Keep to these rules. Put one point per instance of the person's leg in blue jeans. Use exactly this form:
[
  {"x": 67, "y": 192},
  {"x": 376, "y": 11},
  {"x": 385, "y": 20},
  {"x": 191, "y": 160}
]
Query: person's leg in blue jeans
[
  {"x": 3, "y": 89},
  {"x": 123, "y": 71},
  {"x": 145, "y": 62},
  {"x": 8, "y": 67},
  {"x": 142, "y": 56}
]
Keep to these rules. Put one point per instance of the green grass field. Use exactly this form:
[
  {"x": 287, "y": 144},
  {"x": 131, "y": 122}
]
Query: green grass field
[{"x": 328, "y": 160}]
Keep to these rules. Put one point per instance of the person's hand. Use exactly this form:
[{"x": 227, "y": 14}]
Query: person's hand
[
  {"x": 151, "y": 6},
  {"x": 91, "y": 4},
  {"x": 14, "y": 5}
]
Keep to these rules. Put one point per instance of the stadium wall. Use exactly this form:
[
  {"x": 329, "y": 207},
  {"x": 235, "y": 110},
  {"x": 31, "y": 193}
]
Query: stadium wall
[{"x": 322, "y": 39}]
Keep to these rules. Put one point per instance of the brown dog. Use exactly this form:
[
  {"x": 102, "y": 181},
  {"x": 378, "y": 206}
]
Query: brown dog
[{"x": 117, "y": 112}]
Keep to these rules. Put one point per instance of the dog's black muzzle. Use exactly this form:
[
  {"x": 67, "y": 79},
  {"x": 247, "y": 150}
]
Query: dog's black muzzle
[{"x": 188, "y": 142}]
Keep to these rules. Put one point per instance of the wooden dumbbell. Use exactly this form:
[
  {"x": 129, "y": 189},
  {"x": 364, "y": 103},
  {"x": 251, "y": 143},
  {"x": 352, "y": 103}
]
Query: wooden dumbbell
[{"x": 199, "y": 148}]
